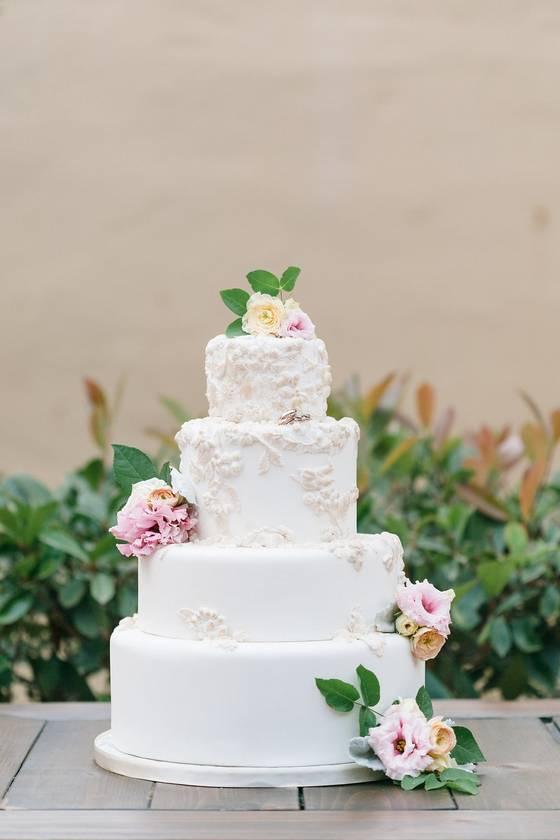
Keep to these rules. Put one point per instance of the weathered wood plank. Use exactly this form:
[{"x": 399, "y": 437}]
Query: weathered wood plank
[
  {"x": 523, "y": 769},
  {"x": 190, "y": 798},
  {"x": 450, "y": 708},
  {"x": 59, "y": 772},
  {"x": 498, "y": 708},
  {"x": 16, "y": 739},
  {"x": 59, "y": 711},
  {"x": 377, "y": 796},
  {"x": 287, "y": 825}
]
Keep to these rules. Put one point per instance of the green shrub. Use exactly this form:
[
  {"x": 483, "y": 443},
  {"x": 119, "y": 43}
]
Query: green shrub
[{"x": 463, "y": 521}]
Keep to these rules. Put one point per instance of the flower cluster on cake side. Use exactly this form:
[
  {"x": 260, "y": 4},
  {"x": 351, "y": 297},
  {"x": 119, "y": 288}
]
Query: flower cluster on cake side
[
  {"x": 424, "y": 617},
  {"x": 407, "y": 743},
  {"x": 266, "y": 311},
  {"x": 160, "y": 509}
]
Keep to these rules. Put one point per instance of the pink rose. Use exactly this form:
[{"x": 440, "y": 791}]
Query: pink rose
[
  {"x": 425, "y": 605},
  {"x": 427, "y": 643},
  {"x": 297, "y": 324},
  {"x": 402, "y": 741}
]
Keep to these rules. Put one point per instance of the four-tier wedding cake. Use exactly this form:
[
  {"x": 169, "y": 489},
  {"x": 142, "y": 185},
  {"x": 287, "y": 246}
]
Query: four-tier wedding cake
[{"x": 256, "y": 580}]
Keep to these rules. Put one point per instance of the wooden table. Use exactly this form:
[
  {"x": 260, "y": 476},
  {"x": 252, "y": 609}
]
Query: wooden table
[{"x": 52, "y": 789}]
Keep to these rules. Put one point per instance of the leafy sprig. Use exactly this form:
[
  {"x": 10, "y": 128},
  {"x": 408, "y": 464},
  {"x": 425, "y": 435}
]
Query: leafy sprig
[
  {"x": 260, "y": 280},
  {"x": 343, "y": 697}
]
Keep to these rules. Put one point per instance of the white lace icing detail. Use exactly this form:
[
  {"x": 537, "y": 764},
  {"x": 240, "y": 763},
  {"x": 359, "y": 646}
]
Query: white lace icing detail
[
  {"x": 260, "y": 378},
  {"x": 267, "y": 538},
  {"x": 321, "y": 495},
  {"x": 209, "y": 625},
  {"x": 395, "y": 554},
  {"x": 129, "y": 622},
  {"x": 358, "y": 629},
  {"x": 353, "y": 551}
]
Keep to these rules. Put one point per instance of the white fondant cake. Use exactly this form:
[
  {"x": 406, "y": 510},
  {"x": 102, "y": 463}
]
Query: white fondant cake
[{"x": 213, "y": 682}]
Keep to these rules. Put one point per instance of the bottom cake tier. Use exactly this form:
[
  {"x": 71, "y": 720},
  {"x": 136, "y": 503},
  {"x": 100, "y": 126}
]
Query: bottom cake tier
[{"x": 254, "y": 705}]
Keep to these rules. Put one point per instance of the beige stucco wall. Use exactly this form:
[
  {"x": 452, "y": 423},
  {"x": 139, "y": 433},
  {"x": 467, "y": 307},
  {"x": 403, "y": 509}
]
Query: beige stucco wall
[{"x": 405, "y": 154}]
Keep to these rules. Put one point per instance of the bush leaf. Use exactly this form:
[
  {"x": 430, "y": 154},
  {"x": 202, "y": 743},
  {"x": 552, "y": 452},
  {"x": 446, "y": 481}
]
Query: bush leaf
[
  {"x": 235, "y": 299},
  {"x": 338, "y": 694},
  {"x": 131, "y": 465},
  {"x": 466, "y": 750},
  {"x": 264, "y": 281},
  {"x": 102, "y": 588}
]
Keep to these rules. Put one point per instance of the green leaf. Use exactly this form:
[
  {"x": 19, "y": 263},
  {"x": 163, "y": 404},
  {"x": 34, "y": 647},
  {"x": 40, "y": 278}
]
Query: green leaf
[
  {"x": 72, "y": 592},
  {"x": 549, "y": 605},
  {"x": 62, "y": 541},
  {"x": 369, "y": 686},
  {"x": 16, "y": 608},
  {"x": 102, "y": 588},
  {"x": 424, "y": 702},
  {"x": 165, "y": 473},
  {"x": 175, "y": 409},
  {"x": 455, "y": 774},
  {"x": 494, "y": 576},
  {"x": 264, "y": 281},
  {"x": 130, "y": 465},
  {"x": 367, "y": 720},
  {"x": 338, "y": 694},
  {"x": 411, "y": 782},
  {"x": 289, "y": 277},
  {"x": 467, "y": 785},
  {"x": 433, "y": 783},
  {"x": 500, "y": 636},
  {"x": 127, "y": 600},
  {"x": 27, "y": 490},
  {"x": 525, "y": 634},
  {"x": 235, "y": 299},
  {"x": 515, "y": 536},
  {"x": 466, "y": 750},
  {"x": 90, "y": 619},
  {"x": 235, "y": 329}
]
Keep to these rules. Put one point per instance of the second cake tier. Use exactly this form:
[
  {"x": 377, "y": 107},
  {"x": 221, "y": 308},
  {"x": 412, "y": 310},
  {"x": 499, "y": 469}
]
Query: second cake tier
[{"x": 289, "y": 593}]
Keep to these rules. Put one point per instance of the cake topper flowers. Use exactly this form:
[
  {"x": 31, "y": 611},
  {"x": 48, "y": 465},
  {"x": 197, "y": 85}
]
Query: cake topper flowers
[
  {"x": 160, "y": 509},
  {"x": 407, "y": 742},
  {"x": 266, "y": 311}
]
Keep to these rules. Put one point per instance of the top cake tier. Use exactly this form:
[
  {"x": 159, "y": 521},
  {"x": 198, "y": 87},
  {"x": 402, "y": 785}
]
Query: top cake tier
[{"x": 260, "y": 378}]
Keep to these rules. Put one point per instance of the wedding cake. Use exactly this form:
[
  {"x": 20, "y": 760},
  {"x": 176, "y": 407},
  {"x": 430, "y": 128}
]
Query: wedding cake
[{"x": 261, "y": 584}]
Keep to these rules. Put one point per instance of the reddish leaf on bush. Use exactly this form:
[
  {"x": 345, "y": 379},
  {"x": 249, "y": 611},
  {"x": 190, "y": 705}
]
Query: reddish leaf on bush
[
  {"x": 530, "y": 483},
  {"x": 375, "y": 394},
  {"x": 397, "y": 453},
  {"x": 535, "y": 438},
  {"x": 555, "y": 424},
  {"x": 95, "y": 393},
  {"x": 483, "y": 501},
  {"x": 425, "y": 403}
]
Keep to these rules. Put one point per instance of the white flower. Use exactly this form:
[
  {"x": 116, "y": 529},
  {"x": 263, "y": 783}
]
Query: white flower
[
  {"x": 264, "y": 316},
  {"x": 183, "y": 485},
  {"x": 405, "y": 626}
]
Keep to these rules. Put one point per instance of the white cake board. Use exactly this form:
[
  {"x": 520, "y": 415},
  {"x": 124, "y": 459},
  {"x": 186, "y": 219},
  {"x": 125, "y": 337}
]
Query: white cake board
[{"x": 110, "y": 758}]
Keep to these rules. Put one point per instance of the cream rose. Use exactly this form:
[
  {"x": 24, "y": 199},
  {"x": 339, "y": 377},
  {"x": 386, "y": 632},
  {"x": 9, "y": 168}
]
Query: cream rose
[
  {"x": 163, "y": 495},
  {"x": 427, "y": 643},
  {"x": 264, "y": 315},
  {"x": 442, "y": 762},
  {"x": 443, "y": 738},
  {"x": 405, "y": 625}
]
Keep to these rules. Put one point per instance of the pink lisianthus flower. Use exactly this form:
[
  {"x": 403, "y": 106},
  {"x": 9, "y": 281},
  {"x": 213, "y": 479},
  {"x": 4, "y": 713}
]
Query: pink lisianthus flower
[
  {"x": 426, "y": 605},
  {"x": 402, "y": 741},
  {"x": 153, "y": 516},
  {"x": 297, "y": 324}
]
